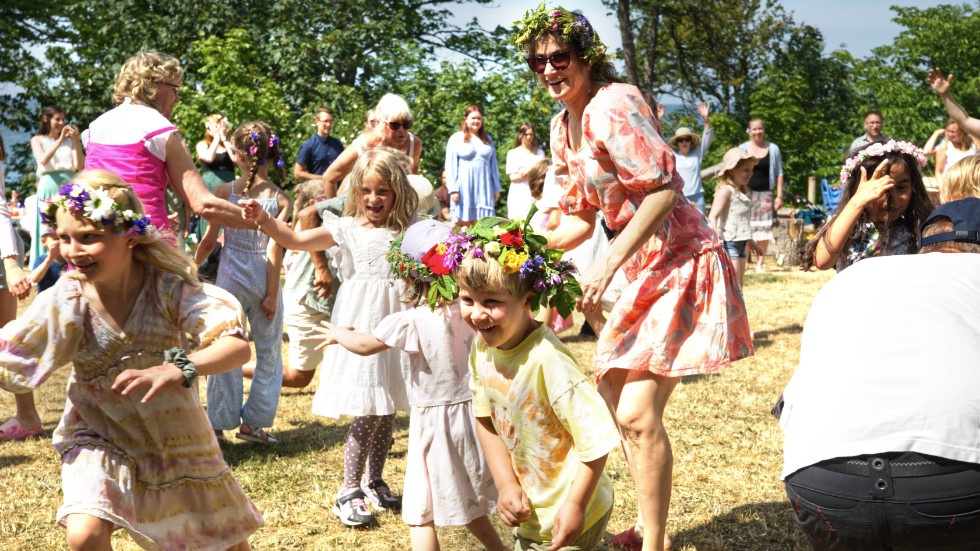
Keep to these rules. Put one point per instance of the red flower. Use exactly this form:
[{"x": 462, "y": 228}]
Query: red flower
[
  {"x": 512, "y": 238},
  {"x": 436, "y": 261}
]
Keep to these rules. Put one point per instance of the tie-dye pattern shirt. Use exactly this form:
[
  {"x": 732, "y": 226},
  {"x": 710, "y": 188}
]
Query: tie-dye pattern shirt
[{"x": 550, "y": 417}]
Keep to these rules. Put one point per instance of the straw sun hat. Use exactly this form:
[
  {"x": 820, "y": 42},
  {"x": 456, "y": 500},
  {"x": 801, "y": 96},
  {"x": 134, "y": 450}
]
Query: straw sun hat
[
  {"x": 731, "y": 159},
  {"x": 684, "y": 132}
]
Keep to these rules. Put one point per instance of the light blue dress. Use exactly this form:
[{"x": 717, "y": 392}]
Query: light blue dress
[
  {"x": 471, "y": 170},
  {"x": 242, "y": 273}
]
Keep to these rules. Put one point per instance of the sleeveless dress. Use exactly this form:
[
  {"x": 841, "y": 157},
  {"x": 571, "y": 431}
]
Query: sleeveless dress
[
  {"x": 154, "y": 469},
  {"x": 682, "y": 312},
  {"x": 471, "y": 169},
  {"x": 362, "y": 385},
  {"x": 242, "y": 272}
]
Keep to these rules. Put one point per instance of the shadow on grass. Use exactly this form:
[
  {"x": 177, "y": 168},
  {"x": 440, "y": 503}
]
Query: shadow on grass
[
  {"x": 766, "y": 526},
  {"x": 13, "y": 460},
  {"x": 766, "y": 337}
]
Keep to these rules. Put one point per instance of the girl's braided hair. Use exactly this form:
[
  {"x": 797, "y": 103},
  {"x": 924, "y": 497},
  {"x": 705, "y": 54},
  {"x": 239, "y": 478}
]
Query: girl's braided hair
[{"x": 260, "y": 144}]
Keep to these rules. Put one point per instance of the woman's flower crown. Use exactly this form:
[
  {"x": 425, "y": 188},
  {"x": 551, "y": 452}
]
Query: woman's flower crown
[
  {"x": 430, "y": 269},
  {"x": 95, "y": 205},
  {"x": 519, "y": 251},
  {"x": 877, "y": 150},
  {"x": 573, "y": 28}
]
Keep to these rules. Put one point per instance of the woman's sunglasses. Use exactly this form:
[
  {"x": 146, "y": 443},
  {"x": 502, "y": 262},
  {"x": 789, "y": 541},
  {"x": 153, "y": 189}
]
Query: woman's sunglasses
[
  {"x": 396, "y": 125},
  {"x": 558, "y": 60}
]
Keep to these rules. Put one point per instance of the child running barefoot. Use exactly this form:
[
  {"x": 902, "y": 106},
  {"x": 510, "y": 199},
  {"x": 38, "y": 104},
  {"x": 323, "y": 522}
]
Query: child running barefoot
[
  {"x": 381, "y": 206},
  {"x": 249, "y": 270},
  {"x": 878, "y": 215},
  {"x": 544, "y": 428},
  {"x": 447, "y": 482},
  {"x": 731, "y": 209},
  {"x": 136, "y": 447}
]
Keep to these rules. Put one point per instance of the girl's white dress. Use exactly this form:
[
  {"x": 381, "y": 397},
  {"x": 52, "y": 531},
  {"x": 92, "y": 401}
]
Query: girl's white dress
[
  {"x": 362, "y": 385},
  {"x": 154, "y": 469},
  {"x": 447, "y": 480}
]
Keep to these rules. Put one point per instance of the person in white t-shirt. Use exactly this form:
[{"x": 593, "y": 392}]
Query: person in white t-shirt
[{"x": 880, "y": 419}]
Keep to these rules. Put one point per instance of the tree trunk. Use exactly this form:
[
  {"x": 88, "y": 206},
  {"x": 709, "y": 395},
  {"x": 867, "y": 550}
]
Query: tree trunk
[{"x": 629, "y": 48}]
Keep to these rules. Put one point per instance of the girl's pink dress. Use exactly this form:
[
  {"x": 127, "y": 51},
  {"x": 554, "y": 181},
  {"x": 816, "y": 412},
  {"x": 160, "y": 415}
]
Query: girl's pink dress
[{"x": 682, "y": 312}]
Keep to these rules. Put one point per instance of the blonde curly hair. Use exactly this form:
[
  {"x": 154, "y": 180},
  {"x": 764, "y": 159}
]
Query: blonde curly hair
[{"x": 140, "y": 76}]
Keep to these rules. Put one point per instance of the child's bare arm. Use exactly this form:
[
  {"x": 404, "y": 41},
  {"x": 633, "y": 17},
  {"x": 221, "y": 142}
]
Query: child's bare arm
[
  {"x": 570, "y": 518},
  {"x": 312, "y": 239},
  {"x": 512, "y": 504},
  {"x": 38, "y": 274},
  {"x": 361, "y": 344},
  {"x": 208, "y": 241},
  {"x": 224, "y": 354}
]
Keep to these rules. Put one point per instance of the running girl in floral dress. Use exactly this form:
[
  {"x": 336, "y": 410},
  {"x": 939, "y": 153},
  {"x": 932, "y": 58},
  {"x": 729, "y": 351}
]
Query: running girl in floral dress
[{"x": 136, "y": 447}]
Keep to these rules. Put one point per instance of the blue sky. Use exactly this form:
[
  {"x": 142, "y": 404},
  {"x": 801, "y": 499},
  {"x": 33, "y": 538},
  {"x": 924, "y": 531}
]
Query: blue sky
[{"x": 859, "y": 25}]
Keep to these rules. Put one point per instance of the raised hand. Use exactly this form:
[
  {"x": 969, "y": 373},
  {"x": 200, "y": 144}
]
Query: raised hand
[
  {"x": 939, "y": 84},
  {"x": 661, "y": 111},
  {"x": 704, "y": 110},
  {"x": 875, "y": 188}
]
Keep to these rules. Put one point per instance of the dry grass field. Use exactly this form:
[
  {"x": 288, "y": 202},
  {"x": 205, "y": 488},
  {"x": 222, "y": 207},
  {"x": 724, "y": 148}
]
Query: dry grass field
[{"x": 727, "y": 494}]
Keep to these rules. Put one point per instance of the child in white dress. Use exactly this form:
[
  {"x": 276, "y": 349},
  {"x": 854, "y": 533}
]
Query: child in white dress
[
  {"x": 136, "y": 447},
  {"x": 381, "y": 205},
  {"x": 447, "y": 482}
]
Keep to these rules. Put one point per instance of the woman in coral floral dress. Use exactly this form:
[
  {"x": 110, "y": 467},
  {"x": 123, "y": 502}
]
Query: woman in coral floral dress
[{"x": 682, "y": 313}]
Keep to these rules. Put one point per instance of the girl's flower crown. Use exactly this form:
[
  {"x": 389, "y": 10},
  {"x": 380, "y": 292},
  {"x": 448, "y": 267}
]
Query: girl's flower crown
[
  {"x": 573, "y": 28},
  {"x": 95, "y": 205},
  {"x": 878, "y": 150},
  {"x": 431, "y": 269},
  {"x": 520, "y": 251}
]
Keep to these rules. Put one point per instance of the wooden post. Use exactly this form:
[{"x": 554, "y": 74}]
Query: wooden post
[{"x": 811, "y": 189}]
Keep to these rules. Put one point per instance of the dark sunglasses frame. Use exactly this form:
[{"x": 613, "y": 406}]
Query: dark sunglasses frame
[
  {"x": 559, "y": 60},
  {"x": 397, "y": 125},
  {"x": 174, "y": 86},
  {"x": 685, "y": 139}
]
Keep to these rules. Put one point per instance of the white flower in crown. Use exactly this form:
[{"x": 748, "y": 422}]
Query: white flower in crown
[
  {"x": 877, "y": 150},
  {"x": 498, "y": 231},
  {"x": 492, "y": 248},
  {"x": 100, "y": 207}
]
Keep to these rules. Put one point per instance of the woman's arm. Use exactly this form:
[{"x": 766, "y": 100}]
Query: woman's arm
[
  {"x": 190, "y": 186},
  {"x": 205, "y": 152},
  {"x": 719, "y": 208},
  {"x": 942, "y": 87},
  {"x": 313, "y": 239},
  {"x": 339, "y": 169},
  {"x": 77, "y": 154},
  {"x": 44, "y": 156},
  {"x": 417, "y": 154},
  {"x": 941, "y": 158},
  {"x": 575, "y": 229},
  {"x": 650, "y": 215},
  {"x": 930, "y": 148}
]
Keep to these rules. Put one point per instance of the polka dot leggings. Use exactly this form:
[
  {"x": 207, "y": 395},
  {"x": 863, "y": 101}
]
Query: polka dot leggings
[{"x": 368, "y": 441}]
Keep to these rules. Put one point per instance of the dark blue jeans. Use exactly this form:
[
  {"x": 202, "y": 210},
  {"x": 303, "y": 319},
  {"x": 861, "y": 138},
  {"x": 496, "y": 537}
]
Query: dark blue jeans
[{"x": 843, "y": 512}]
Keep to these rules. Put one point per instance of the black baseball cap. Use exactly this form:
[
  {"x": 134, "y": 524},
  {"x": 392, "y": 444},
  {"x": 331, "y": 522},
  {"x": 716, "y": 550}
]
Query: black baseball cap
[{"x": 965, "y": 215}]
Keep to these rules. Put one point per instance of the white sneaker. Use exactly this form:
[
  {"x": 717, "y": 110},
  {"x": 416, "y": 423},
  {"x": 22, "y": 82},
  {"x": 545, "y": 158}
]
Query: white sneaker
[{"x": 351, "y": 509}]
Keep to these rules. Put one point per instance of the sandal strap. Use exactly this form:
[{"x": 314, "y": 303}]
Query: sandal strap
[
  {"x": 356, "y": 494},
  {"x": 378, "y": 483}
]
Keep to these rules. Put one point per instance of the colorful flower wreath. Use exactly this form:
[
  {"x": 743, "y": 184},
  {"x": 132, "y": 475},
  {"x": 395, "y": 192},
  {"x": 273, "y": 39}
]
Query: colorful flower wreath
[
  {"x": 95, "y": 205},
  {"x": 573, "y": 28},
  {"x": 519, "y": 250},
  {"x": 877, "y": 150},
  {"x": 430, "y": 269}
]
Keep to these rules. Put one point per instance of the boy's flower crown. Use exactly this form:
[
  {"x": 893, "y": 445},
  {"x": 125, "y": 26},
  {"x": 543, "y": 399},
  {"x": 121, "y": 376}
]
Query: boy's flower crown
[
  {"x": 519, "y": 250},
  {"x": 95, "y": 205},
  {"x": 573, "y": 28},
  {"x": 877, "y": 150}
]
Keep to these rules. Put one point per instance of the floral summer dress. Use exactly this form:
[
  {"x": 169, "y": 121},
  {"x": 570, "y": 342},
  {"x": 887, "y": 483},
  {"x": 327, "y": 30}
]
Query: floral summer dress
[
  {"x": 682, "y": 312},
  {"x": 154, "y": 469}
]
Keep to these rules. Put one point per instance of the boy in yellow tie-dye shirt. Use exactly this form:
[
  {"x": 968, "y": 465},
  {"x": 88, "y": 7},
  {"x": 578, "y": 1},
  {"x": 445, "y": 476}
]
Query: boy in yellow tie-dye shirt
[{"x": 544, "y": 429}]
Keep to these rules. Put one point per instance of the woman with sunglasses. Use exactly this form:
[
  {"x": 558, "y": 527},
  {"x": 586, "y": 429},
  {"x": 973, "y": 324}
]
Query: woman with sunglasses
[
  {"x": 689, "y": 150},
  {"x": 392, "y": 120},
  {"x": 472, "y": 176},
  {"x": 682, "y": 312},
  {"x": 137, "y": 142}
]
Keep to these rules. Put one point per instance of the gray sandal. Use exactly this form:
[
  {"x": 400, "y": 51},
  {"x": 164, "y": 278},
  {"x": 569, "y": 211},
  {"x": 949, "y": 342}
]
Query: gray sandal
[{"x": 259, "y": 436}]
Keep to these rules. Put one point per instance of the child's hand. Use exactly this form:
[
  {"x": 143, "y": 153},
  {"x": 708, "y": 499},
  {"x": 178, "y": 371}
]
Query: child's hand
[
  {"x": 251, "y": 210},
  {"x": 513, "y": 506},
  {"x": 568, "y": 525},
  {"x": 876, "y": 188},
  {"x": 157, "y": 377},
  {"x": 327, "y": 333},
  {"x": 268, "y": 306},
  {"x": 939, "y": 84}
]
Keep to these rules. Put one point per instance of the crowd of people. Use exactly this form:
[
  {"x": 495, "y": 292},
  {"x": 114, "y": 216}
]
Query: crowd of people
[{"x": 428, "y": 303}]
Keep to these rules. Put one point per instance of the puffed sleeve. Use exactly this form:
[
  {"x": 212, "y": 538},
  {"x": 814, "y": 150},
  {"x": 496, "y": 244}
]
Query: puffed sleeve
[
  {"x": 8, "y": 242},
  {"x": 400, "y": 331},
  {"x": 494, "y": 167},
  {"x": 42, "y": 339},
  {"x": 208, "y": 312},
  {"x": 624, "y": 133},
  {"x": 452, "y": 165},
  {"x": 574, "y": 199}
]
